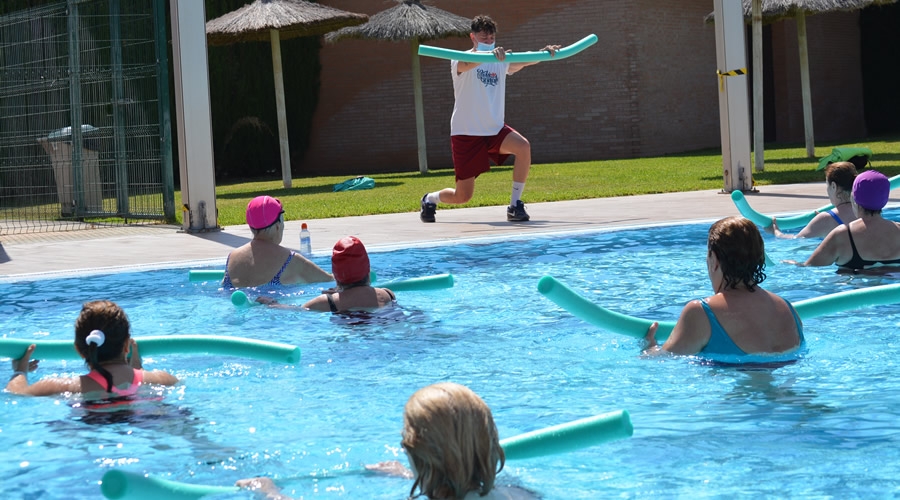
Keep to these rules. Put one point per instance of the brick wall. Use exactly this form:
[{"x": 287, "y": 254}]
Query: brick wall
[
  {"x": 647, "y": 88},
  {"x": 835, "y": 73}
]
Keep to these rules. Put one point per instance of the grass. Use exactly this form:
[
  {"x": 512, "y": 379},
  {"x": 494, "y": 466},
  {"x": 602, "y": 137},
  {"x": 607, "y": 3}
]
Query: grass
[{"x": 313, "y": 198}]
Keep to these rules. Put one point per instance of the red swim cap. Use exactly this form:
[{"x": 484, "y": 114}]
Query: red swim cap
[{"x": 349, "y": 261}]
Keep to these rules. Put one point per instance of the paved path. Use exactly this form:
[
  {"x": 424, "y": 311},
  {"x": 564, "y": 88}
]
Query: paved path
[{"x": 23, "y": 256}]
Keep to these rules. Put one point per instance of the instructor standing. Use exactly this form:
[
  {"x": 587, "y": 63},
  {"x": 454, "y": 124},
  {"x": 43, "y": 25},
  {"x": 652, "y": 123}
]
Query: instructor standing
[{"x": 478, "y": 132}]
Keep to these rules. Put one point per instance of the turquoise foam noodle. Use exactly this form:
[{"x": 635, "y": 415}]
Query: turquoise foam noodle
[
  {"x": 436, "y": 282},
  {"x": 263, "y": 350},
  {"x": 795, "y": 221},
  {"x": 582, "y": 308},
  {"x": 632, "y": 326},
  {"x": 850, "y": 299},
  {"x": 206, "y": 275},
  {"x": 764, "y": 220},
  {"x": 511, "y": 57},
  {"x": 240, "y": 299},
  {"x": 122, "y": 485},
  {"x": 569, "y": 436}
]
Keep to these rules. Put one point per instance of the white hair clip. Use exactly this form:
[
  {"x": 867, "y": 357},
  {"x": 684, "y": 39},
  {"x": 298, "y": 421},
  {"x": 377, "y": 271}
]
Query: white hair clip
[{"x": 96, "y": 337}]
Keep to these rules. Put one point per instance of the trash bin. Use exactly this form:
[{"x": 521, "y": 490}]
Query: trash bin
[{"x": 58, "y": 144}]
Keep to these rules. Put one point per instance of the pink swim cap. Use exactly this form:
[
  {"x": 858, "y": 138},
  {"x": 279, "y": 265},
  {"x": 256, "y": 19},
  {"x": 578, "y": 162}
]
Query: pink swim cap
[{"x": 263, "y": 211}]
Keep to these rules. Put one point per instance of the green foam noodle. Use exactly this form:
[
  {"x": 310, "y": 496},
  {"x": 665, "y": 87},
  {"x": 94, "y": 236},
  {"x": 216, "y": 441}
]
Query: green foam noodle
[
  {"x": 196, "y": 275},
  {"x": 175, "y": 344},
  {"x": 569, "y": 436},
  {"x": 511, "y": 57},
  {"x": 122, "y": 485},
  {"x": 632, "y": 326},
  {"x": 436, "y": 282},
  {"x": 584, "y": 309}
]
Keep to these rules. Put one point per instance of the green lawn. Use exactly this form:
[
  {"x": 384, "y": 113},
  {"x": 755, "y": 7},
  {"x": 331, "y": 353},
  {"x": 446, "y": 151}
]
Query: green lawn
[{"x": 313, "y": 198}]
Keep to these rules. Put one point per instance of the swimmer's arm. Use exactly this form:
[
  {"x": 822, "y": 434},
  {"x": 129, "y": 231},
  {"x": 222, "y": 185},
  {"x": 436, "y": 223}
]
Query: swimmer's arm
[
  {"x": 18, "y": 383},
  {"x": 159, "y": 377},
  {"x": 319, "y": 303},
  {"x": 690, "y": 335},
  {"x": 307, "y": 271},
  {"x": 827, "y": 253},
  {"x": 819, "y": 227},
  {"x": 43, "y": 387},
  {"x": 262, "y": 485},
  {"x": 391, "y": 468}
]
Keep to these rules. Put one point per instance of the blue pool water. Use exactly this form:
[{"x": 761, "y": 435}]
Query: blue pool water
[{"x": 822, "y": 428}]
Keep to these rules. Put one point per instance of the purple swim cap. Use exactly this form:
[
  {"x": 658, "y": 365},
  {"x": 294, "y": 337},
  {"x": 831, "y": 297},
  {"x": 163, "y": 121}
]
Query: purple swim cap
[{"x": 871, "y": 190}]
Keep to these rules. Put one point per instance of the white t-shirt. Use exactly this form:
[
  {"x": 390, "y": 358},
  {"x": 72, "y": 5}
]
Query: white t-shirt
[{"x": 480, "y": 99}]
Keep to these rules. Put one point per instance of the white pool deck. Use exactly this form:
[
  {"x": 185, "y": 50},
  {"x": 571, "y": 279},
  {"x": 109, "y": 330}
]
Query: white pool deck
[{"x": 27, "y": 256}]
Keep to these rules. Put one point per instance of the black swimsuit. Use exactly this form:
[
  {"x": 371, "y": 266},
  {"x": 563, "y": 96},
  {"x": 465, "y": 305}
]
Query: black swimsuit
[
  {"x": 334, "y": 308},
  {"x": 857, "y": 262}
]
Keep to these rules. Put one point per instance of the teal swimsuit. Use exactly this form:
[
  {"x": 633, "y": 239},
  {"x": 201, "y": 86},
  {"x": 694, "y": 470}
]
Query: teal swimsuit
[{"x": 721, "y": 348}]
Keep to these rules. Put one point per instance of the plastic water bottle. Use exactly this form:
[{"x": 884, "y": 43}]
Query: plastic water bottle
[{"x": 305, "y": 245}]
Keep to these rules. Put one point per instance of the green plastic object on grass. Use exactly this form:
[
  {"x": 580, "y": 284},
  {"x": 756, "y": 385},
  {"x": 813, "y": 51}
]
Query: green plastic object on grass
[
  {"x": 175, "y": 344},
  {"x": 844, "y": 154},
  {"x": 511, "y": 57},
  {"x": 632, "y": 326},
  {"x": 121, "y": 485},
  {"x": 355, "y": 184}
]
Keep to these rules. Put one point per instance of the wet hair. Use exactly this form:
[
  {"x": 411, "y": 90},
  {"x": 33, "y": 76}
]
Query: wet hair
[
  {"x": 483, "y": 23},
  {"x": 842, "y": 173},
  {"x": 110, "y": 319},
  {"x": 737, "y": 244},
  {"x": 452, "y": 442}
]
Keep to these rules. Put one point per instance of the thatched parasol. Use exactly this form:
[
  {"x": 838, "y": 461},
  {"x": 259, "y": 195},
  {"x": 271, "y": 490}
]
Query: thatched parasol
[
  {"x": 410, "y": 20},
  {"x": 272, "y": 20},
  {"x": 769, "y": 11}
]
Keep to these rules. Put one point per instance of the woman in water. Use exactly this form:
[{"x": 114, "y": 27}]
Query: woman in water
[
  {"x": 453, "y": 447},
  {"x": 869, "y": 244},
  {"x": 839, "y": 177},
  {"x": 103, "y": 339},
  {"x": 741, "y": 318},
  {"x": 263, "y": 261}
]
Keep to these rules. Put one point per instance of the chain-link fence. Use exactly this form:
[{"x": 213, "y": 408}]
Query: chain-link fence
[{"x": 85, "y": 136}]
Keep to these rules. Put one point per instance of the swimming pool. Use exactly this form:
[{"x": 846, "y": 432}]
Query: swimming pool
[{"x": 824, "y": 427}]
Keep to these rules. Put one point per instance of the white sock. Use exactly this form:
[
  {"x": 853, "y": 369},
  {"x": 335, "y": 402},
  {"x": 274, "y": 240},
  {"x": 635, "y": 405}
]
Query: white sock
[
  {"x": 517, "y": 189},
  {"x": 434, "y": 197}
]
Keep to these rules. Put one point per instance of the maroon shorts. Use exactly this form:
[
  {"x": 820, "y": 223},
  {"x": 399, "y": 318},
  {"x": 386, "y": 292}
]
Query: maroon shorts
[{"x": 472, "y": 154}]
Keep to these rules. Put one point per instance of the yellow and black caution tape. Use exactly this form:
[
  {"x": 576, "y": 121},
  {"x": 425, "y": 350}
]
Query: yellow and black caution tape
[{"x": 722, "y": 75}]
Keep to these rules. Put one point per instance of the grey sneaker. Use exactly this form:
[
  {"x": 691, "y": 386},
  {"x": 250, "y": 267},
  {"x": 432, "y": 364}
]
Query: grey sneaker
[
  {"x": 428, "y": 209},
  {"x": 517, "y": 213}
]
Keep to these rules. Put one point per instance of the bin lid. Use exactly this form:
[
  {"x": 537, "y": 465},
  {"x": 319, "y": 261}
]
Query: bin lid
[{"x": 65, "y": 133}]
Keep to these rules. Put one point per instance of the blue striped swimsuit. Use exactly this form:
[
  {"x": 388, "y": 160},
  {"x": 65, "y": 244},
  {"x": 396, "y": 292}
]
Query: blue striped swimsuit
[{"x": 226, "y": 282}]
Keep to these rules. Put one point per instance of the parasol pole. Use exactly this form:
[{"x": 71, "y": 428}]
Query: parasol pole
[
  {"x": 420, "y": 113},
  {"x": 758, "y": 103},
  {"x": 804, "y": 83},
  {"x": 279, "y": 103}
]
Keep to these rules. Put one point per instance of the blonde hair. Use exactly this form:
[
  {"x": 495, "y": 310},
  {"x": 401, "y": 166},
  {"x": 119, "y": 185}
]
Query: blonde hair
[{"x": 452, "y": 442}]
